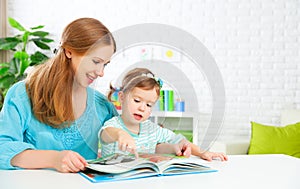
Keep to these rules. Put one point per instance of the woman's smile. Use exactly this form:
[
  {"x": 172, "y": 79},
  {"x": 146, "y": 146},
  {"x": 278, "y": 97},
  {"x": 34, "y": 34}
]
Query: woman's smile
[{"x": 91, "y": 78}]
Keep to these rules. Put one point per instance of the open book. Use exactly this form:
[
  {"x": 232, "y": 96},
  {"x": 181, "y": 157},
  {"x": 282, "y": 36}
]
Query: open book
[{"x": 124, "y": 167}]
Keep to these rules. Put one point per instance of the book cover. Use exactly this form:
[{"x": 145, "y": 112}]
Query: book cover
[{"x": 121, "y": 167}]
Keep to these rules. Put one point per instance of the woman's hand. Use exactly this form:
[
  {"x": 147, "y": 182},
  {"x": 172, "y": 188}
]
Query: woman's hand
[
  {"x": 69, "y": 162},
  {"x": 63, "y": 161}
]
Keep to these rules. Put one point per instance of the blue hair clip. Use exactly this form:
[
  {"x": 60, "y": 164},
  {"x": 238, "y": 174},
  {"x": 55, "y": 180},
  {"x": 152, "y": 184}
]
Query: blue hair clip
[{"x": 159, "y": 81}]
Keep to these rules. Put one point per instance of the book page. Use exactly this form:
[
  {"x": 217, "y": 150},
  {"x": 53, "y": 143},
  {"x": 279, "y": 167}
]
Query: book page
[
  {"x": 124, "y": 167},
  {"x": 181, "y": 166},
  {"x": 159, "y": 163},
  {"x": 121, "y": 167}
]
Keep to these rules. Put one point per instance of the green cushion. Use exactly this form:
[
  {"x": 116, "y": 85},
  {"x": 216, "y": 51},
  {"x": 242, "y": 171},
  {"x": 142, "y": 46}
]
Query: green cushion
[{"x": 275, "y": 140}]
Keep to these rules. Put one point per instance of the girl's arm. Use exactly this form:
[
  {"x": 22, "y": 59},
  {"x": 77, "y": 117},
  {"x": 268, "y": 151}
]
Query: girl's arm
[
  {"x": 164, "y": 148},
  {"x": 111, "y": 134},
  {"x": 62, "y": 161},
  {"x": 186, "y": 148},
  {"x": 207, "y": 155},
  {"x": 125, "y": 141},
  {"x": 181, "y": 149}
]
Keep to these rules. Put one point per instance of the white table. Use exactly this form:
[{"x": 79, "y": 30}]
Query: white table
[{"x": 241, "y": 171}]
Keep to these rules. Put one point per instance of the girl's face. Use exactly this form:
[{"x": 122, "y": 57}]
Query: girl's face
[
  {"x": 137, "y": 105},
  {"x": 91, "y": 65}
]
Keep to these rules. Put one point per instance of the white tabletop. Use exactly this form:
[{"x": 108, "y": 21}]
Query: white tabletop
[{"x": 240, "y": 171}]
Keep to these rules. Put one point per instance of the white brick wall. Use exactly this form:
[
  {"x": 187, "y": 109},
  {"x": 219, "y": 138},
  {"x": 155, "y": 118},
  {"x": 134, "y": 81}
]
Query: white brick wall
[{"x": 256, "y": 45}]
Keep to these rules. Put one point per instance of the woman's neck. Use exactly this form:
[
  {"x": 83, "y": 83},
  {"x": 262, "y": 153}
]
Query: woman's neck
[{"x": 79, "y": 98}]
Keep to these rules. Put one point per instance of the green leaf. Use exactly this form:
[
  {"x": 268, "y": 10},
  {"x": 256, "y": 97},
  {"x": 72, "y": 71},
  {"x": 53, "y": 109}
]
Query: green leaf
[
  {"x": 21, "y": 55},
  {"x": 6, "y": 81},
  {"x": 14, "y": 70},
  {"x": 3, "y": 71},
  {"x": 37, "y": 27},
  {"x": 9, "y": 43},
  {"x": 10, "y": 39},
  {"x": 4, "y": 64},
  {"x": 25, "y": 37},
  {"x": 39, "y": 33},
  {"x": 23, "y": 67},
  {"x": 16, "y": 24},
  {"x": 38, "y": 58},
  {"x": 46, "y": 40},
  {"x": 24, "y": 62},
  {"x": 14, "y": 66},
  {"x": 5, "y": 90},
  {"x": 41, "y": 45}
]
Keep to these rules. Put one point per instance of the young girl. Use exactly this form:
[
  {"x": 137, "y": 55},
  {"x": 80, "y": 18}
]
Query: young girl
[{"x": 133, "y": 132}]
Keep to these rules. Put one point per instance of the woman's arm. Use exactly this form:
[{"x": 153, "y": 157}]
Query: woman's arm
[{"x": 63, "y": 161}]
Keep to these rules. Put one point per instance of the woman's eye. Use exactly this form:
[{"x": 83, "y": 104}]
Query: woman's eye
[{"x": 96, "y": 61}]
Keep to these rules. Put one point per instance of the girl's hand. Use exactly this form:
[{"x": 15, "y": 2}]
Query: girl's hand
[
  {"x": 127, "y": 143},
  {"x": 183, "y": 148},
  {"x": 209, "y": 156},
  {"x": 69, "y": 162}
]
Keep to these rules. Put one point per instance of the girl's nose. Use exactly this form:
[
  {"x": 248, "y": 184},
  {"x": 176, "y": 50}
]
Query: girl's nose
[{"x": 142, "y": 106}]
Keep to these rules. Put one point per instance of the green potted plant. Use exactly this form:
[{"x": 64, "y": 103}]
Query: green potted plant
[{"x": 21, "y": 59}]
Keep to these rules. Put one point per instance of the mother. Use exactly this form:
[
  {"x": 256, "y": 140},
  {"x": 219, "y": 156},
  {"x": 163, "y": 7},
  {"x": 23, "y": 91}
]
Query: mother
[{"x": 51, "y": 119}]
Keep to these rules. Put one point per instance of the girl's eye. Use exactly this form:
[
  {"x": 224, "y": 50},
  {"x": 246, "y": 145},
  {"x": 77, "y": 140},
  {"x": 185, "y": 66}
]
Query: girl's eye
[
  {"x": 149, "y": 105},
  {"x": 136, "y": 100}
]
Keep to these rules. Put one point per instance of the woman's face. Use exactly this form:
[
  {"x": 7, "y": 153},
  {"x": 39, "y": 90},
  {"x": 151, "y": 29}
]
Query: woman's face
[{"x": 91, "y": 65}]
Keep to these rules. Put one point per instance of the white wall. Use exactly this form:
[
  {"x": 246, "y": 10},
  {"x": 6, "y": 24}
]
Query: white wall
[{"x": 256, "y": 44}]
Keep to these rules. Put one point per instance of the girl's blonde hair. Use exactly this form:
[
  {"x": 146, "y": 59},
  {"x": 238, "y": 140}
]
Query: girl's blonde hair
[
  {"x": 138, "y": 77},
  {"x": 49, "y": 86}
]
